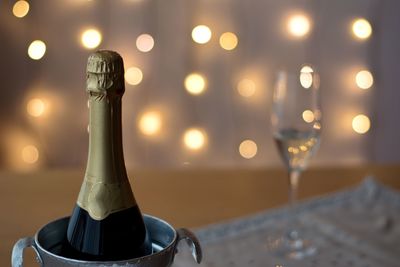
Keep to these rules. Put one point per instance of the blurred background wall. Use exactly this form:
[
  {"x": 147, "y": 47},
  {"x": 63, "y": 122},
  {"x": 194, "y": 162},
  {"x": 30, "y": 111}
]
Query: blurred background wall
[{"x": 44, "y": 114}]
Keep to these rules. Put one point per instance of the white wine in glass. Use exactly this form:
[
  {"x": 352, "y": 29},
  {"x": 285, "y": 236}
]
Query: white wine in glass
[
  {"x": 296, "y": 147},
  {"x": 296, "y": 125}
]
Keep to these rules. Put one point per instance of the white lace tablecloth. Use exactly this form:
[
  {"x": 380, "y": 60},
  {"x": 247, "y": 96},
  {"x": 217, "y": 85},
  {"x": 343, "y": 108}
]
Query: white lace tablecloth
[{"x": 359, "y": 227}]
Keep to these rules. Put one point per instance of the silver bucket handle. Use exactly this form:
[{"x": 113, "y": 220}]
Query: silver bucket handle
[
  {"x": 18, "y": 250},
  {"x": 192, "y": 242}
]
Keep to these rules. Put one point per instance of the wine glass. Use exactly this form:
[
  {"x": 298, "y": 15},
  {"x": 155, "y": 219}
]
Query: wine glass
[{"x": 296, "y": 125}]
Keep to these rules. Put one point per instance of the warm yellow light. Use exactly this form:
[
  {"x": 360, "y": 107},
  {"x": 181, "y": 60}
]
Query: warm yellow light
[
  {"x": 307, "y": 69},
  {"x": 299, "y": 25},
  {"x": 133, "y": 76},
  {"x": 30, "y": 154},
  {"x": 145, "y": 42},
  {"x": 364, "y": 79},
  {"x": 303, "y": 148},
  {"x": 91, "y": 38},
  {"x": 228, "y": 41},
  {"x": 308, "y": 116},
  {"x": 21, "y": 9},
  {"x": 306, "y": 77},
  {"x": 37, "y": 49},
  {"x": 36, "y": 107},
  {"x": 194, "y": 139},
  {"x": 361, "y": 124},
  {"x": 248, "y": 149},
  {"x": 150, "y": 123},
  {"x": 317, "y": 126},
  {"x": 246, "y": 87},
  {"x": 362, "y": 29},
  {"x": 195, "y": 83},
  {"x": 201, "y": 34}
]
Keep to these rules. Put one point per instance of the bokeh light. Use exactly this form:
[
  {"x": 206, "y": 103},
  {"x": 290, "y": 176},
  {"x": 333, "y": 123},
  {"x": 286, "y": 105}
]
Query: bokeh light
[
  {"x": 30, "y": 154},
  {"x": 362, "y": 29},
  {"x": 21, "y": 9},
  {"x": 194, "y": 138},
  {"x": 37, "y": 49},
  {"x": 145, "y": 42},
  {"x": 308, "y": 116},
  {"x": 16, "y": 146},
  {"x": 133, "y": 76},
  {"x": 36, "y": 107},
  {"x": 228, "y": 41},
  {"x": 150, "y": 123},
  {"x": 91, "y": 38},
  {"x": 299, "y": 25},
  {"x": 201, "y": 34},
  {"x": 246, "y": 87},
  {"x": 307, "y": 69},
  {"x": 248, "y": 149},
  {"x": 306, "y": 76},
  {"x": 361, "y": 124},
  {"x": 195, "y": 83},
  {"x": 364, "y": 79}
]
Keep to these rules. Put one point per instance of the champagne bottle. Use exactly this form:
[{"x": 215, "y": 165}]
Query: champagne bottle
[{"x": 106, "y": 223}]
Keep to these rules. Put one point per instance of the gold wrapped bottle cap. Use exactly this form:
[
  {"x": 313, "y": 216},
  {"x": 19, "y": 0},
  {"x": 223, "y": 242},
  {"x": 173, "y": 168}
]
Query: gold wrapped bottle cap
[
  {"x": 105, "y": 61},
  {"x": 105, "y": 73}
]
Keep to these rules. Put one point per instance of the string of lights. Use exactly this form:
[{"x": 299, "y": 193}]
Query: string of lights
[{"x": 150, "y": 122}]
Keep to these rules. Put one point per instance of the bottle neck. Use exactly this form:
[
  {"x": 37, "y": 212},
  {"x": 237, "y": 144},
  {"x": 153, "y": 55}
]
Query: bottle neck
[
  {"x": 105, "y": 159},
  {"x": 105, "y": 189}
]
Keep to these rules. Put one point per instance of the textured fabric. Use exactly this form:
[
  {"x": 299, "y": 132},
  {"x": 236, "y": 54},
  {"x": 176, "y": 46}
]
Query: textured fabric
[{"x": 357, "y": 227}]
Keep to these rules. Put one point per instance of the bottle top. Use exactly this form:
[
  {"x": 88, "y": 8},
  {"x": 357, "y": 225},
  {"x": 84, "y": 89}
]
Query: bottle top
[{"x": 105, "y": 73}]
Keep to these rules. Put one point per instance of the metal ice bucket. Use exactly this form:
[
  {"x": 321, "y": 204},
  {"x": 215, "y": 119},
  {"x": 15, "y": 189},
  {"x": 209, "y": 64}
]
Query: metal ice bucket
[{"x": 164, "y": 239}]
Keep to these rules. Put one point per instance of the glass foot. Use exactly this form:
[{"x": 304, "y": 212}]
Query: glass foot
[{"x": 292, "y": 246}]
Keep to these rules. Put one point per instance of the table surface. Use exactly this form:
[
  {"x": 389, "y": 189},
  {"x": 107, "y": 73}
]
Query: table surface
[{"x": 188, "y": 197}]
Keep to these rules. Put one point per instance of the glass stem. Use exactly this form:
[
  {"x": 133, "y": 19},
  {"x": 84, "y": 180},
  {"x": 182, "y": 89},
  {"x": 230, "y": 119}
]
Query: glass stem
[{"x": 294, "y": 178}]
